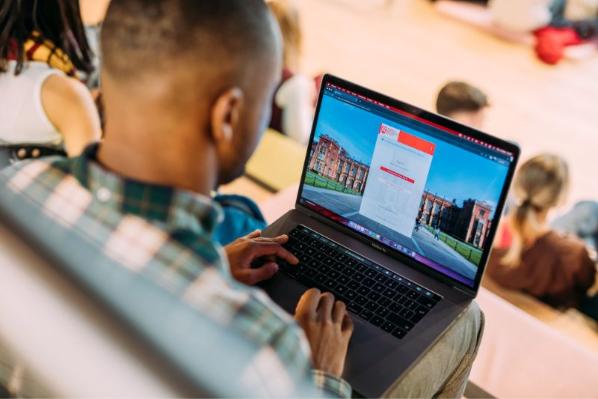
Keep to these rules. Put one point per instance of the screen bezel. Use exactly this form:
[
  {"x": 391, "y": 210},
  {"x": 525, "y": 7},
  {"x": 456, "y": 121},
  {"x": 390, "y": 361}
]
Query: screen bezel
[{"x": 442, "y": 122}]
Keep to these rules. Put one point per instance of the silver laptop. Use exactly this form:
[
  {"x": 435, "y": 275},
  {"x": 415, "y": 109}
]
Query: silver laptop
[{"x": 395, "y": 215}]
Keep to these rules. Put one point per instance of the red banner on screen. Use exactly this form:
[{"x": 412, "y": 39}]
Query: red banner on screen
[{"x": 417, "y": 143}]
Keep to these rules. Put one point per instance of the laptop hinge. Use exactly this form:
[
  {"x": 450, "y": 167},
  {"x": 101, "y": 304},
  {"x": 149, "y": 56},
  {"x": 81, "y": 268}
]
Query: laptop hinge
[{"x": 467, "y": 293}]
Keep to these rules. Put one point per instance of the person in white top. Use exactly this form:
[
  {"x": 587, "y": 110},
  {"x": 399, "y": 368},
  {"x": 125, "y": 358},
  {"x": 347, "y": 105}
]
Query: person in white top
[
  {"x": 43, "y": 49},
  {"x": 293, "y": 107}
]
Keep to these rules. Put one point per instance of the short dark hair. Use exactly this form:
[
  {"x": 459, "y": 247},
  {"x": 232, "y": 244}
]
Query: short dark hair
[
  {"x": 458, "y": 97},
  {"x": 148, "y": 36},
  {"x": 58, "y": 21}
]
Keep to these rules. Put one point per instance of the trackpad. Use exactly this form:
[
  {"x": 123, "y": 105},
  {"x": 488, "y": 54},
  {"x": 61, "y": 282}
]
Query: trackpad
[{"x": 284, "y": 290}]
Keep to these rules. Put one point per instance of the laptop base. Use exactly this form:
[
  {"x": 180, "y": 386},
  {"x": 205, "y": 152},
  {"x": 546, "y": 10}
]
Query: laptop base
[{"x": 375, "y": 360}]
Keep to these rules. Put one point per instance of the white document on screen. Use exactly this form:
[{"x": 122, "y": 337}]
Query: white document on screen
[{"x": 397, "y": 179}]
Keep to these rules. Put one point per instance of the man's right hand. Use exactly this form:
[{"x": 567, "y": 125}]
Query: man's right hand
[{"x": 328, "y": 328}]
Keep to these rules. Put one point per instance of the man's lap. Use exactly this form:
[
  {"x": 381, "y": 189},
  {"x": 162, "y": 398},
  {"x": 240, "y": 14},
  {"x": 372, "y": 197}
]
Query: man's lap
[{"x": 444, "y": 369}]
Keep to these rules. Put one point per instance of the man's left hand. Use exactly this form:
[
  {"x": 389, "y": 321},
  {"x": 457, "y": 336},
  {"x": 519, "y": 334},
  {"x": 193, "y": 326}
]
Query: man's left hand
[{"x": 243, "y": 252}]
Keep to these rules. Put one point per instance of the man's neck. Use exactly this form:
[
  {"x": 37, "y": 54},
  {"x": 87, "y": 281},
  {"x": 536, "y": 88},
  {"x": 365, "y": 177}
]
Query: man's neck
[{"x": 152, "y": 157}]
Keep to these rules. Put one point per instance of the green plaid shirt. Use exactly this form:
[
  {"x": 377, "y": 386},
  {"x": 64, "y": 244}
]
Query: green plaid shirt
[{"x": 166, "y": 235}]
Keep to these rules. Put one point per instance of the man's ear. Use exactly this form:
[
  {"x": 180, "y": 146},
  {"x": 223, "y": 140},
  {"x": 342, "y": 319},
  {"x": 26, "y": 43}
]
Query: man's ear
[{"x": 226, "y": 113}]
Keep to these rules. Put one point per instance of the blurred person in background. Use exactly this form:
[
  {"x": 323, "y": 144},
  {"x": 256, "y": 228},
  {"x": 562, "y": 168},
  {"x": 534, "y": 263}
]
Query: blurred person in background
[
  {"x": 554, "y": 268},
  {"x": 44, "y": 107},
  {"x": 581, "y": 221},
  {"x": 293, "y": 104},
  {"x": 464, "y": 103}
]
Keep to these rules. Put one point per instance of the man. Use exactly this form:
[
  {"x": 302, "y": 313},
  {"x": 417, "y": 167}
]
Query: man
[
  {"x": 187, "y": 86},
  {"x": 464, "y": 103}
]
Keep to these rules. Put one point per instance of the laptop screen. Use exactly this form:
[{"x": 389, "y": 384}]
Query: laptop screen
[{"x": 420, "y": 188}]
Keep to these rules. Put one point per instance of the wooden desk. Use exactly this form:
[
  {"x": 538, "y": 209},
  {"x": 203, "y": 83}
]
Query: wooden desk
[{"x": 277, "y": 163}]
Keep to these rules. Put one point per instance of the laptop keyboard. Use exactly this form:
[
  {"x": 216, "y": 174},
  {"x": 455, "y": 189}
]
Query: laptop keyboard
[{"x": 385, "y": 299}]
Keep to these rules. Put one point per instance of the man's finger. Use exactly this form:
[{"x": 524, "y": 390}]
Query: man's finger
[
  {"x": 260, "y": 249},
  {"x": 325, "y": 307},
  {"x": 254, "y": 234},
  {"x": 347, "y": 325},
  {"x": 308, "y": 303},
  {"x": 254, "y": 276},
  {"x": 339, "y": 312},
  {"x": 279, "y": 239}
]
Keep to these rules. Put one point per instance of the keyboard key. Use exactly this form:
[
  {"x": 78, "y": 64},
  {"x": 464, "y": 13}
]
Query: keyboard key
[
  {"x": 399, "y": 333},
  {"x": 354, "y": 284},
  {"x": 384, "y": 301},
  {"x": 412, "y": 295},
  {"x": 360, "y": 300},
  {"x": 366, "y": 314},
  {"x": 363, "y": 290},
  {"x": 330, "y": 283},
  {"x": 294, "y": 233},
  {"x": 311, "y": 272},
  {"x": 337, "y": 266},
  {"x": 379, "y": 288},
  {"x": 399, "y": 321},
  {"x": 427, "y": 302},
  {"x": 342, "y": 279},
  {"x": 412, "y": 305},
  {"x": 358, "y": 277},
  {"x": 395, "y": 307},
  {"x": 374, "y": 296},
  {"x": 368, "y": 281},
  {"x": 377, "y": 321},
  {"x": 389, "y": 292},
  {"x": 392, "y": 284},
  {"x": 406, "y": 314},
  {"x": 383, "y": 312},
  {"x": 388, "y": 327},
  {"x": 419, "y": 314},
  {"x": 347, "y": 271},
  {"x": 370, "y": 273},
  {"x": 355, "y": 308},
  {"x": 350, "y": 295},
  {"x": 400, "y": 298}
]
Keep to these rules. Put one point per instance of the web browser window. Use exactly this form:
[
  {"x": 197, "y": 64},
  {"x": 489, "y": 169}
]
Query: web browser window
[
  {"x": 411, "y": 185},
  {"x": 398, "y": 174}
]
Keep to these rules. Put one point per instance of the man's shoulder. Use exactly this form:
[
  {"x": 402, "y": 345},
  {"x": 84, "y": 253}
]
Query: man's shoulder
[{"x": 36, "y": 178}]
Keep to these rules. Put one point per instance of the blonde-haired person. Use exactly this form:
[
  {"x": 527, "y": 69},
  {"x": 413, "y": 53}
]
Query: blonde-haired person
[
  {"x": 541, "y": 262},
  {"x": 293, "y": 104}
]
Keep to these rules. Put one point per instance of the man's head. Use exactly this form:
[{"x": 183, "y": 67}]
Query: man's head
[
  {"x": 202, "y": 70},
  {"x": 462, "y": 102}
]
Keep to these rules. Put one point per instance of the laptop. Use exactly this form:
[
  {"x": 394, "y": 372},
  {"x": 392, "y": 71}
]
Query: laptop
[{"x": 395, "y": 215}]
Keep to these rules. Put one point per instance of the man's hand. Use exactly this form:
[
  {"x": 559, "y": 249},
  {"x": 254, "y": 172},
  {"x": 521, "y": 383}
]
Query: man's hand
[
  {"x": 328, "y": 327},
  {"x": 243, "y": 252}
]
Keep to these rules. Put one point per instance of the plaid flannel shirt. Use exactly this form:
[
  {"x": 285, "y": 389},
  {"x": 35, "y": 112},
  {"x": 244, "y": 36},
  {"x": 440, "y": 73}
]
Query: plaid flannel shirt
[{"x": 166, "y": 235}]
